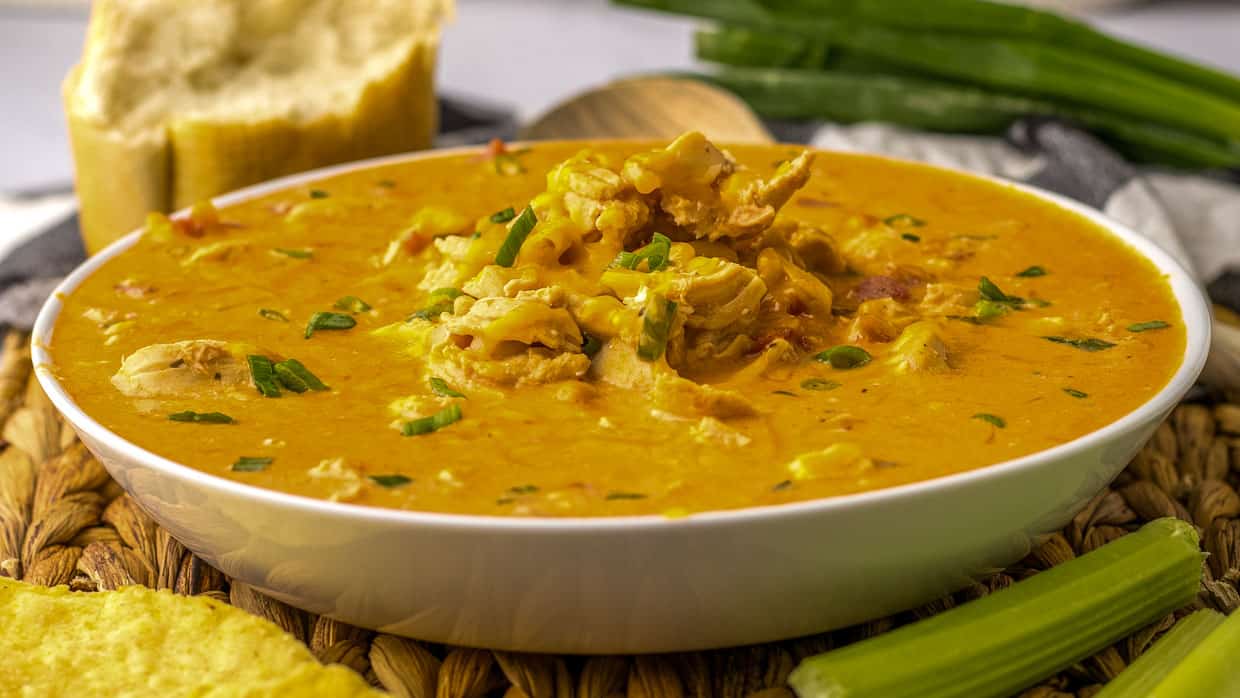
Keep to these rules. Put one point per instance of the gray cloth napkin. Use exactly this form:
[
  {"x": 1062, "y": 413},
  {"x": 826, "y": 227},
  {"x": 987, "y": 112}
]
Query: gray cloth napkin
[{"x": 1194, "y": 218}]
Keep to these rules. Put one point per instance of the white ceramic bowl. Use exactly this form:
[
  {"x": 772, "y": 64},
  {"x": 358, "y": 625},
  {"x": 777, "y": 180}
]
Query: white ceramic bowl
[{"x": 630, "y": 584}]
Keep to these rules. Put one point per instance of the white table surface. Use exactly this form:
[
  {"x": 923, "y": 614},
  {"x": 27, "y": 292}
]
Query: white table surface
[{"x": 527, "y": 53}]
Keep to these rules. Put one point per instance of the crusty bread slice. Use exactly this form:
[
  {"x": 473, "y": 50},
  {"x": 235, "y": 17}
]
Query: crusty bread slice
[{"x": 175, "y": 102}]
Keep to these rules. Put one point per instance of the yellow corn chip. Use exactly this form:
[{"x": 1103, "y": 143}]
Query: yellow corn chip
[{"x": 141, "y": 642}]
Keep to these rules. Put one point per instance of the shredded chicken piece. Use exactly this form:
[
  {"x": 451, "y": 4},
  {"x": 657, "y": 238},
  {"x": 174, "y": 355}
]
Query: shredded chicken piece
[
  {"x": 219, "y": 251},
  {"x": 618, "y": 364},
  {"x": 818, "y": 251},
  {"x": 189, "y": 368},
  {"x": 502, "y": 281},
  {"x": 346, "y": 482},
  {"x": 594, "y": 197},
  {"x": 535, "y": 366},
  {"x": 511, "y": 341},
  {"x": 703, "y": 191},
  {"x": 457, "y": 260},
  {"x": 494, "y": 327},
  {"x": 920, "y": 348},
  {"x": 840, "y": 460},
  {"x": 709, "y": 430},
  {"x": 880, "y": 320},
  {"x": 775, "y": 361},
  {"x": 948, "y": 299},
  {"x": 792, "y": 289},
  {"x": 749, "y": 294}
]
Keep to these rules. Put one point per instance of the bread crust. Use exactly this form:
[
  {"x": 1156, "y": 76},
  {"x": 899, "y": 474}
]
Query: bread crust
[
  {"x": 393, "y": 115},
  {"x": 118, "y": 179},
  {"x": 121, "y": 173}
]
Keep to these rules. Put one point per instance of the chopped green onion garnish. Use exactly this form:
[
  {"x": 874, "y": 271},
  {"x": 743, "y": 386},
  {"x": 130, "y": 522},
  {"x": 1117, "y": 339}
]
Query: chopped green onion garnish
[
  {"x": 329, "y": 321},
  {"x": 1151, "y": 325},
  {"x": 844, "y": 356},
  {"x": 911, "y": 237},
  {"x": 523, "y": 489},
  {"x": 1002, "y": 643},
  {"x": 904, "y": 220},
  {"x": 390, "y": 480},
  {"x": 262, "y": 372},
  {"x": 517, "y": 232},
  {"x": 819, "y": 384},
  {"x": 353, "y": 304},
  {"x": 440, "y": 303},
  {"x": 590, "y": 345},
  {"x": 990, "y": 292},
  {"x": 432, "y": 311},
  {"x": 611, "y": 496},
  {"x": 989, "y": 310},
  {"x": 992, "y": 419},
  {"x": 1086, "y": 344},
  {"x": 272, "y": 314},
  {"x": 789, "y": 393},
  {"x": 1032, "y": 271},
  {"x": 293, "y": 375},
  {"x": 625, "y": 260},
  {"x": 1076, "y": 393},
  {"x": 318, "y": 194},
  {"x": 655, "y": 255},
  {"x": 435, "y": 422},
  {"x": 440, "y": 387},
  {"x": 507, "y": 165},
  {"x": 447, "y": 292},
  {"x": 289, "y": 380},
  {"x": 781, "y": 486},
  {"x": 201, "y": 417},
  {"x": 971, "y": 319},
  {"x": 251, "y": 464},
  {"x": 995, "y": 302},
  {"x": 656, "y": 327},
  {"x": 503, "y": 216},
  {"x": 386, "y": 183},
  {"x": 295, "y": 254}
]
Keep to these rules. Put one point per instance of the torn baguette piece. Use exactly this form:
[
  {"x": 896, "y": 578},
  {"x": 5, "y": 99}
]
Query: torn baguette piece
[{"x": 176, "y": 102}]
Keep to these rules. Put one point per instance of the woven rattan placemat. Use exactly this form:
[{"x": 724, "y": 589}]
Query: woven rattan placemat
[{"x": 64, "y": 521}]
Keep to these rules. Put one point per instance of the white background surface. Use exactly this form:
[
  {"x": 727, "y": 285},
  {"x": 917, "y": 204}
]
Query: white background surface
[{"x": 524, "y": 53}]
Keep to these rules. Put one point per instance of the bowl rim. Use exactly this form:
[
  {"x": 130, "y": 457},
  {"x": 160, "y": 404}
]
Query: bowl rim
[{"x": 1194, "y": 309}]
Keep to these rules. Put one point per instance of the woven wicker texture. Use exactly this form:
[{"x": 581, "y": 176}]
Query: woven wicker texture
[{"x": 64, "y": 521}]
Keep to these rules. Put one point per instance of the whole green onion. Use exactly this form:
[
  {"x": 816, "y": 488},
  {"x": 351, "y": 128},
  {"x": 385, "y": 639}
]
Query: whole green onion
[{"x": 936, "y": 105}]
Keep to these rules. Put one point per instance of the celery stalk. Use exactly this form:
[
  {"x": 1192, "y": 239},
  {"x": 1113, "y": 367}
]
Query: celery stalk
[
  {"x": 1152, "y": 667},
  {"x": 1210, "y": 669},
  {"x": 1001, "y": 643}
]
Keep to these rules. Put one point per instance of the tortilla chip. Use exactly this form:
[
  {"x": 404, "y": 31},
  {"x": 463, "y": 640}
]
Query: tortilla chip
[{"x": 140, "y": 642}]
